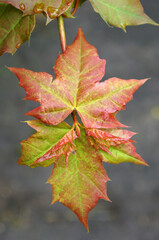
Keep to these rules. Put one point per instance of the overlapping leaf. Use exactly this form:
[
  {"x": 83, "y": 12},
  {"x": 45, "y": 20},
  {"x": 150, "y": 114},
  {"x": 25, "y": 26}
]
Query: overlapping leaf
[
  {"x": 47, "y": 144},
  {"x": 78, "y": 178},
  {"x": 122, "y": 153},
  {"x": 121, "y": 13},
  {"x": 115, "y": 145},
  {"x": 108, "y": 137},
  {"x": 52, "y": 8},
  {"x": 80, "y": 184},
  {"x": 15, "y": 28}
]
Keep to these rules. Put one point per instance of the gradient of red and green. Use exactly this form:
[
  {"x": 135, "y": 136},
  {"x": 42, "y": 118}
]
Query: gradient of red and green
[
  {"x": 78, "y": 179},
  {"x": 76, "y": 87}
]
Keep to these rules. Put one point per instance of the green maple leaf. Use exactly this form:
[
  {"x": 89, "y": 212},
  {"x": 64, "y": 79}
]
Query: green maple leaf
[
  {"x": 15, "y": 28},
  {"x": 121, "y": 13},
  {"x": 78, "y": 178}
]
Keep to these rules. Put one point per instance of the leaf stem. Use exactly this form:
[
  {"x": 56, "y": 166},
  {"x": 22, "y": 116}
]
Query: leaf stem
[
  {"x": 75, "y": 123},
  {"x": 62, "y": 33},
  {"x": 74, "y": 116},
  {"x": 75, "y": 8}
]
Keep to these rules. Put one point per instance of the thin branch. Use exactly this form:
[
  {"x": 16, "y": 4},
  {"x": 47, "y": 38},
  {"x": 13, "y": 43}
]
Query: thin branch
[{"x": 62, "y": 33}]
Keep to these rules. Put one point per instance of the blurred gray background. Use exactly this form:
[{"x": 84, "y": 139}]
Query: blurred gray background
[{"x": 25, "y": 210}]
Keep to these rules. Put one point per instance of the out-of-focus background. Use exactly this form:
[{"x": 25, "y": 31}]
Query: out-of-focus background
[{"x": 25, "y": 210}]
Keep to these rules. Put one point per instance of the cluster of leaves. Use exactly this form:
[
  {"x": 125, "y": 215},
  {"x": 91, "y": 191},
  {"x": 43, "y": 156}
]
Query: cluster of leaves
[
  {"x": 17, "y": 17},
  {"x": 78, "y": 178}
]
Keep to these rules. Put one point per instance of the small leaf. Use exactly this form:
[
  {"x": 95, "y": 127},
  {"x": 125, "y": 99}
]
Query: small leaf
[
  {"x": 114, "y": 145},
  {"x": 122, "y": 153},
  {"x": 51, "y": 8},
  {"x": 110, "y": 137},
  {"x": 15, "y": 28},
  {"x": 121, "y": 13},
  {"x": 80, "y": 184},
  {"x": 47, "y": 144}
]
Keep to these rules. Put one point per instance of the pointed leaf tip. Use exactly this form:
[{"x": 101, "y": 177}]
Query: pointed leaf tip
[
  {"x": 125, "y": 152},
  {"x": 80, "y": 33}
]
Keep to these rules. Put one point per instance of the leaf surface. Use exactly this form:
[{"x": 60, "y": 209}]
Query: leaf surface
[
  {"x": 122, "y": 153},
  {"x": 76, "y": 87},
  {"x": 109, "y": 137},
  {"x": 55, "y": 105},
  {"x": 105, "y": 98},
  {"x": 52, "y": 8},
  {"x": 115, "y": 145},
  {"x": 80, "y": 184},
  {"x": 121, "y": 13},
  {"x": 47, "y": 144},
  {"x": 15, "y": 28}
]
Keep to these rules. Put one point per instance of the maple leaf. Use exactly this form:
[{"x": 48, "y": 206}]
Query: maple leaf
[
  {"x": 82, "y": 181},
  {"x": 52, "y": 9},
  {"x": 76, "y": 87},
  {"x": 47, "y": 144},
  {"x": 122, "y": 13},
  {"x": 80, "y": 184},
  {"x": 15, "y": 28},
  {"x": 107, "y": 138},
  {"x": 122, "y": 153},
  {"x": 115, "y": 145}
]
